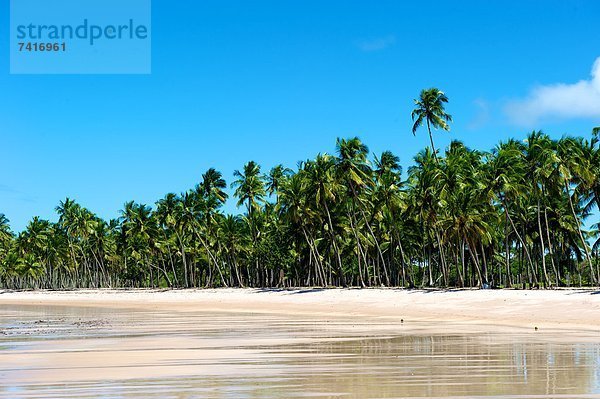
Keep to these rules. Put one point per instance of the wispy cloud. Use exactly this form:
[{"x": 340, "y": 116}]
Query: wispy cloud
[
  {"x": 8, "y": 191},
  {"x": 376, "y": 44},
  {"x": 559, "y": 101},
  {"x": 481, "y": 116}
]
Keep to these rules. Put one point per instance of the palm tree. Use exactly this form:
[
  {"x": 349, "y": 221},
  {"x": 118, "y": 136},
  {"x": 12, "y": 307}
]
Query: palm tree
[
  {"x": 277, "y": 176},
  {"x": 33, "y": 245},
  {"x": 467, "y": 215},
  {"x": 542, "y": 169},
  {"x": 430, "y": 109},
  {"x": 465, "y": 218},
  {"x": 167, "y": 214},
  {"x": 354, "y": 169},
  {"x": 139, "y": 231},
  {"x": 324, "y": 189},
  {"x": 574, "y": 168},
  {"x": 507, "y": 185},
  {"x": 212, "y": 185},
  {"x": 298, "y": 213},
  {"x": 67, "y": 210},
  {"x": 249, "y": 187},
  {"x": 423, "y": 201},
  {"x": 231, "y": 232},
  {"x": 5, "y": 233}
]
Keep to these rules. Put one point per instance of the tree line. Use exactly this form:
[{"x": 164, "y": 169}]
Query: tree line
[{"x": 511, "y": 217}]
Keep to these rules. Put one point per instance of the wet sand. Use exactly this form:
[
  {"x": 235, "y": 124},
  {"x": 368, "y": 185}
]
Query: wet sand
[{"x": 283, "y": 344}]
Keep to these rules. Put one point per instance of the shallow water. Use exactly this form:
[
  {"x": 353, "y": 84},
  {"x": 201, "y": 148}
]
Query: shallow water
[{"x": 76, "y": 352}]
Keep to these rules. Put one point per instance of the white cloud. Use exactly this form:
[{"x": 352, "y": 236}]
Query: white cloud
[
  {"x": 376, "y": 44},
  {"x": 559, "y": 101}
]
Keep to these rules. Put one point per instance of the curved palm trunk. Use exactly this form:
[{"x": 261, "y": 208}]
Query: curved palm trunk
[
  {"x": 405, "y": 275},
  {"x": 597, "y": 195},
  {"x": 379, "y": 252},
  {"x": 460, "y": 263},
  {"x": 319, "y": 269},
  {"x": 184, "y": 260},
  {"x": 237, "y": 272},
  {"x": 551, "y": 249},
  {"x": 314, "y": 254},
  {"x": 442, "y": 257},
  {"x": 518, "y": 235},
  {"x": 176, "y": 280},
  {"x": 507, "y": 255},
  {"x": 335, "y": 246},
  {"x": 210, "y": 254},
  {"x": 585, "y": 248},
  {"x": 475, "y": 261},
  {"x": 360, "y": 252},
  {"x": 542, "y": 246},
  {"x": 431, "y": 140}
]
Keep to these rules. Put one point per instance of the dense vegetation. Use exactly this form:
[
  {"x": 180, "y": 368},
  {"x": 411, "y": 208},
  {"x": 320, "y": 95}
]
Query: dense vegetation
[{"x": 510, "y": 217}]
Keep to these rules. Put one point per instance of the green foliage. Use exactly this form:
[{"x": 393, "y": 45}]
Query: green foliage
[{"x": 512, "y": 217}]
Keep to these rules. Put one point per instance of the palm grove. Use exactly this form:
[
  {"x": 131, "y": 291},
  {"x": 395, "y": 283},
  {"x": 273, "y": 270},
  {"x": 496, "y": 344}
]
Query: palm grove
[{"x": 513, "y": 216}]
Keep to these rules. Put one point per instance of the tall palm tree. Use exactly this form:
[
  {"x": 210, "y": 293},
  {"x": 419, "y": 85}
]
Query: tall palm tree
[
  {"x": 213, "y": 185},
  {"x": 249, "y": 186},
  {"x": 324, "y": 189},
  {"x": 250, "y": 189},
  {"x": 467, "y": 218},
  {"x": 574, "y": 168},
  {"x": 430, "y": 110},
  {"x": 423, "y": 201},
  {"x": 354, "y": 169},
  {"x": 507, "y": 185},
  {"x": 231, "y": 232},
  {"x": 276, "y": 177}
]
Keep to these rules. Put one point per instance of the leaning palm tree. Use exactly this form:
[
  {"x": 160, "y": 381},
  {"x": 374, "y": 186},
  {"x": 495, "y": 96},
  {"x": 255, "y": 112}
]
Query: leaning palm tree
[{"x": 430, "y": 109}]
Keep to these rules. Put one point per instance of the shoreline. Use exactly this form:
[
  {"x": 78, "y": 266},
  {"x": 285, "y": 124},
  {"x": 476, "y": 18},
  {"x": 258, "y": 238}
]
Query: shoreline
[{"x": 571, "y": 309}]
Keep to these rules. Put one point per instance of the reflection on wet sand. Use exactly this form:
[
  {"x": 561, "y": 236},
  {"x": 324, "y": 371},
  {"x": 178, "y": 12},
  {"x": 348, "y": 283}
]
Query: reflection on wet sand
[{"x": 60, "y": 352}]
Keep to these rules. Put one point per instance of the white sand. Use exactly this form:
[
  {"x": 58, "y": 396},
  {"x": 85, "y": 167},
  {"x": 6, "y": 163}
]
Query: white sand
[
  {"x": 105, "y": 340},
  {"x": 564, "y": 309}
]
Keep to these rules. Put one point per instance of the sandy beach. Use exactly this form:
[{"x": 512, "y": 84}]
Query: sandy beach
[
  {"x": 565, "y": 309},
  {"x": 292, "y": 343}
]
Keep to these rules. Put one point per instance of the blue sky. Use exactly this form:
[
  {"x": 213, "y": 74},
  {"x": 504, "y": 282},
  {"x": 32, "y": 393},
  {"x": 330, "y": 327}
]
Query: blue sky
[{"x": 278, "y": 81}]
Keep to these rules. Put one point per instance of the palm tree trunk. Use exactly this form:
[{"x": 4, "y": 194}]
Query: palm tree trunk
[
  {"x": 542, "y": 246},
  {"x": 442, "y": 258},
  {"x": 585, "y": 247},
  {"x": 518, "y": 235},
  {"x": 484, "y": 264},
  {"x": 475, "y": 261},
  {"x": 358, "y": 248},
  {"x": 431, "y": 140},
  {"x": 380, "y": 253},
  {"x": 335, "y": 246},
  {"x": 184, "y": 260},
  {"x": 314, "y": 254},
  {"x": 405, "y": 275},
  {"x": 211, "y": 256},
  {"x": 507, "y": 248}
]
